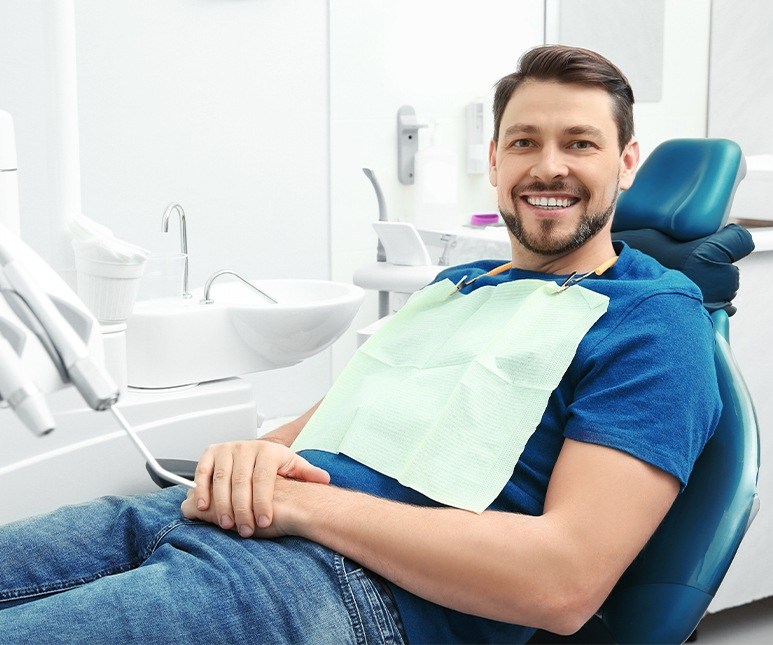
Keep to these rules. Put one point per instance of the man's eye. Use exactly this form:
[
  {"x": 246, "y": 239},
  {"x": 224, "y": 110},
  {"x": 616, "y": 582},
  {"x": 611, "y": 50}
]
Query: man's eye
[
  {"x": 581, "y": 145},
  {"x": 521, "y": 143}
]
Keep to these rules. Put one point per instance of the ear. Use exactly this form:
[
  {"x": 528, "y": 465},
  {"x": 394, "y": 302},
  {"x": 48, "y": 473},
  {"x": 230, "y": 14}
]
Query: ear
[
  {"x": 492, "y": 162},
  {"x": 629, "y": 163}
]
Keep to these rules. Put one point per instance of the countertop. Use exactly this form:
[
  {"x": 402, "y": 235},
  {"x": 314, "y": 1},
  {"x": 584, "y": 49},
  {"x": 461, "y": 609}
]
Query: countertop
[{"x": 471, "y": 242}]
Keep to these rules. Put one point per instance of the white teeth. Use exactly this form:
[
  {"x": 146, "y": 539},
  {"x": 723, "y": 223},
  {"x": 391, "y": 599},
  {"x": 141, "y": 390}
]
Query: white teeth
[{"x": 549, "y": 202}]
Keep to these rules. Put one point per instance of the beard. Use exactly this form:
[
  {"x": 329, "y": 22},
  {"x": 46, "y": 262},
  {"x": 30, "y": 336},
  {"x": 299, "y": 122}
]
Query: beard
[{"x": 546, "y": 241}]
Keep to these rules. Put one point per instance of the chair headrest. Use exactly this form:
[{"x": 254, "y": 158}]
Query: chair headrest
[
  {"x": 707, "y": 261},
  {"x": 683, "y": 189}
]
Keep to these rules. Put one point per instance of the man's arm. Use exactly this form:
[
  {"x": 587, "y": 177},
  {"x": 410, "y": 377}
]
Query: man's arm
[
  {"x": 551, "y": 571},
  {"x": 286, "y": 433}
]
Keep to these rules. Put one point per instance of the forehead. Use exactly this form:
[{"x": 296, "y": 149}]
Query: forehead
[{"x": 546, "y": 105}]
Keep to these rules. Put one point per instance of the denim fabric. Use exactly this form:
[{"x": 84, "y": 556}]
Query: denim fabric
[{"x": 133, "y": 570}]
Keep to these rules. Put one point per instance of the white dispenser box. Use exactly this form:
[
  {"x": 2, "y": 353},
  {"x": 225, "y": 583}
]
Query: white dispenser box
[
  {"x": 478, "y": 136},
  {"x": 435, "y": 186}
]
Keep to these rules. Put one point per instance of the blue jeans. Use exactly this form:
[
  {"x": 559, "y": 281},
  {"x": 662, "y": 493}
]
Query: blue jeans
[{"x": 134, "y": 570}]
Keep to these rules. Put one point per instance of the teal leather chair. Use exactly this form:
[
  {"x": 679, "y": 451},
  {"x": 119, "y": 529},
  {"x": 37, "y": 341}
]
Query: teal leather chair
[
  {"x": 676, "y": 211},
  {"x": 666, "y": 591}
]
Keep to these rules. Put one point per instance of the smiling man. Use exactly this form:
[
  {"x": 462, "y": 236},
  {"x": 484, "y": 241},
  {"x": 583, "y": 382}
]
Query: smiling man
[
  {"x": 561, "y": 153},
  {"x": 490, "y": 462}
]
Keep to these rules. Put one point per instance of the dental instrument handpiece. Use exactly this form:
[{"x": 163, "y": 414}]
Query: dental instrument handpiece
[
  {"x": 19, "y": 391},
  {"x": 93, "y": 382}
]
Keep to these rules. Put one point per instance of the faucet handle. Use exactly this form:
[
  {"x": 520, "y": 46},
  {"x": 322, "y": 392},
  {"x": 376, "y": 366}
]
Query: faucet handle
[
  {"x": 206, "y": 300},
  {"x": 174, "y": 206}
]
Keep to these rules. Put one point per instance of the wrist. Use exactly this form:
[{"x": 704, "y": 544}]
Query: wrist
[
  {"x": 274, "y": 439},
  {"x": 283, "y": 435},
  {"x": 306, "y": 507},
  {"x": 286, "y": 433}
]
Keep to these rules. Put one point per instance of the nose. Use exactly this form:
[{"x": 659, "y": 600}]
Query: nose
[{"x": 549, "y": 165}]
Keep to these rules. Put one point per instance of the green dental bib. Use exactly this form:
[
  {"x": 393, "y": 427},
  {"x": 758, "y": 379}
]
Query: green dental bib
[{"x": 444, "y": 397}]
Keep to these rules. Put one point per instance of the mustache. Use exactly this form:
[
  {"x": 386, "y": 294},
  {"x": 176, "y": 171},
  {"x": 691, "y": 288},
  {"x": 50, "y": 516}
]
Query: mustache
[{"x": 557, "y": 186}]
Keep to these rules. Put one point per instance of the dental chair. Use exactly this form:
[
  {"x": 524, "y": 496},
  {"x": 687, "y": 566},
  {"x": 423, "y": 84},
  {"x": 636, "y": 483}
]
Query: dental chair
[{"x": 676, "y": 211}]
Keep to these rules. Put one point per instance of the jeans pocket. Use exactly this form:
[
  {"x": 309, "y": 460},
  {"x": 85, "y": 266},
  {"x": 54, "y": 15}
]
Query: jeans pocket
[{"x": 373, "y": 613}]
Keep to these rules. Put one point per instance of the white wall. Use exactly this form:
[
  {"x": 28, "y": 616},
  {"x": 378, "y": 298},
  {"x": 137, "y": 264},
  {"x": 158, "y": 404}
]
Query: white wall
[
  {"x": 674, "y": 105},
  {"x": 742, "y": 74},
  {"x": 682, "y": 110},
  {"x": 24, "y": 93},
  {"x": 220, "y": 105}
]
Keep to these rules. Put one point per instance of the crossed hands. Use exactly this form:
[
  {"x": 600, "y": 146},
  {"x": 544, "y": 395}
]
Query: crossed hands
[{"x": 242, "y": 485}]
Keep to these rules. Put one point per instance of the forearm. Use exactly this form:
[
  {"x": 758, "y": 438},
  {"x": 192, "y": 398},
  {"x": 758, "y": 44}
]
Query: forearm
[
  {"x": 498, "y": 565},
  {"x": 551, "y": 571},
  {"x": 286, "y": 433}
]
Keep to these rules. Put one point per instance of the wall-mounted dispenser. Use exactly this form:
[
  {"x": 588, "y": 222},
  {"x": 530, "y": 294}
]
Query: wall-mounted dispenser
[
  {"x": 407, "y": 143},
  {"x": 435, "y": 193}
]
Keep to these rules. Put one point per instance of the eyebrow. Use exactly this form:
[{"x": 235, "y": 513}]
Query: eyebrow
[
  {"x": 585, "y": 130},
  {"x": 575, "y": 130},
  {"x": 520, "y": 128}
]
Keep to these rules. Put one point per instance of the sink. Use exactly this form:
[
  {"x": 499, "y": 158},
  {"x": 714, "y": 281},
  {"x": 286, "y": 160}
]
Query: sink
[{"x": 175, "y": 341}]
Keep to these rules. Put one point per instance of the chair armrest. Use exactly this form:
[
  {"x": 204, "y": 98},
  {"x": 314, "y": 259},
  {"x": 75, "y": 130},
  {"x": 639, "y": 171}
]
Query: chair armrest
[{"x": 182, "y": 467}]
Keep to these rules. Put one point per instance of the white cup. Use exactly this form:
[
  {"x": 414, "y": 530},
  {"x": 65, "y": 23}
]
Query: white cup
[
  {"x": 108, "y": 288},
  {"x": 163, "y": 277}
]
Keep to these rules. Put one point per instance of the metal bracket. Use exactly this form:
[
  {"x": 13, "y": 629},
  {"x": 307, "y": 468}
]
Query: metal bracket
[{"x": 407, "y": 142}]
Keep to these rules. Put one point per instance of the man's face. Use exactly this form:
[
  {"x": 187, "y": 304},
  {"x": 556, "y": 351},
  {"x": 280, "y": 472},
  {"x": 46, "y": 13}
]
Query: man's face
[{"x": 557, "y": 166}]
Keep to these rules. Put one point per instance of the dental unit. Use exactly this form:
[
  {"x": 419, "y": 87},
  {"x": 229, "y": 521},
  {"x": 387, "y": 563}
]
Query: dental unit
[
  {"x": 44, "y": 310},
  {"x": 168, "y": 372},
  {"x": 48, "y": 338}
]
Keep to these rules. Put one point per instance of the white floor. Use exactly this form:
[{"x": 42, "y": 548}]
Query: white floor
[{"x": 748, "y": 624}]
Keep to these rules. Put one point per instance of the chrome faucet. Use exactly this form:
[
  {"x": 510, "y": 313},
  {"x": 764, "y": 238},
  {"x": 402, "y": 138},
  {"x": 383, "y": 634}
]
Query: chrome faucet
[
  {"x": 206, "y": 300},
  {"x": 183, "y": 239}
]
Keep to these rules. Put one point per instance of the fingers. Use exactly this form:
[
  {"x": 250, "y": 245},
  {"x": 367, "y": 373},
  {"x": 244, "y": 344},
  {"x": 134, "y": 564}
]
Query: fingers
[
  {"x": 246, "y": 458},
  {"x": 263, "y": 480},
  {"x": 221, "y": 486},
  {"x": 225, "y": 480},
  {"x": 299, "y": 468},
  {"x": 235, "y": 483},
  {"x": 291, "y": 466},
  {"x": 203, "y": 479}
]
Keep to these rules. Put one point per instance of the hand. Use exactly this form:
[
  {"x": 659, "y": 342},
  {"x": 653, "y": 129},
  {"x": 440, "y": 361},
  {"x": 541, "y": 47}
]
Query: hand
[{"x": 235, "y": 483}]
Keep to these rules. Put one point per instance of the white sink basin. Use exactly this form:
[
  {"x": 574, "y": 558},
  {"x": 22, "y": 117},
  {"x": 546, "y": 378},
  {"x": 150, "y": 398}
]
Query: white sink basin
[{"x": 172, "y": 341}]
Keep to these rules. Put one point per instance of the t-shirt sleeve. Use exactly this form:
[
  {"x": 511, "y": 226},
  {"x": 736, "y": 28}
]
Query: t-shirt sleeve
[{"x": 650, "y": 386}]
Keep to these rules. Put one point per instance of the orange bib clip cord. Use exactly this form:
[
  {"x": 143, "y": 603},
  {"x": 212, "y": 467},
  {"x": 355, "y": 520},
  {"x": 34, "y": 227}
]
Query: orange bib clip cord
[{"x": 573, "y": 279}]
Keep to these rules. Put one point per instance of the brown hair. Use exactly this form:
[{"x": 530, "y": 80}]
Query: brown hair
[{"x": 570, "y": 65}]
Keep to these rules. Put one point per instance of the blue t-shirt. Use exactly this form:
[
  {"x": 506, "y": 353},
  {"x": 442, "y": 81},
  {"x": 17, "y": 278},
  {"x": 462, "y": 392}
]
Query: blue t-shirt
[{"x": 642, "y": 381}]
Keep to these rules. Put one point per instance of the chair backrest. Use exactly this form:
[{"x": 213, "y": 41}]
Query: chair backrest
[
  {"x": 667, "y": 589},
  {"x": 685, "y": 189}
]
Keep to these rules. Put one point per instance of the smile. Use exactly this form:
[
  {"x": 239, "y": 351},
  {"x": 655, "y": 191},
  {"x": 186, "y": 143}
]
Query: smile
[{"x": 551, "y": 202}]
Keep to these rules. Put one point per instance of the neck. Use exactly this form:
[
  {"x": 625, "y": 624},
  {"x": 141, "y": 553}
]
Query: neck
[{"x": 586, "y": 258}]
